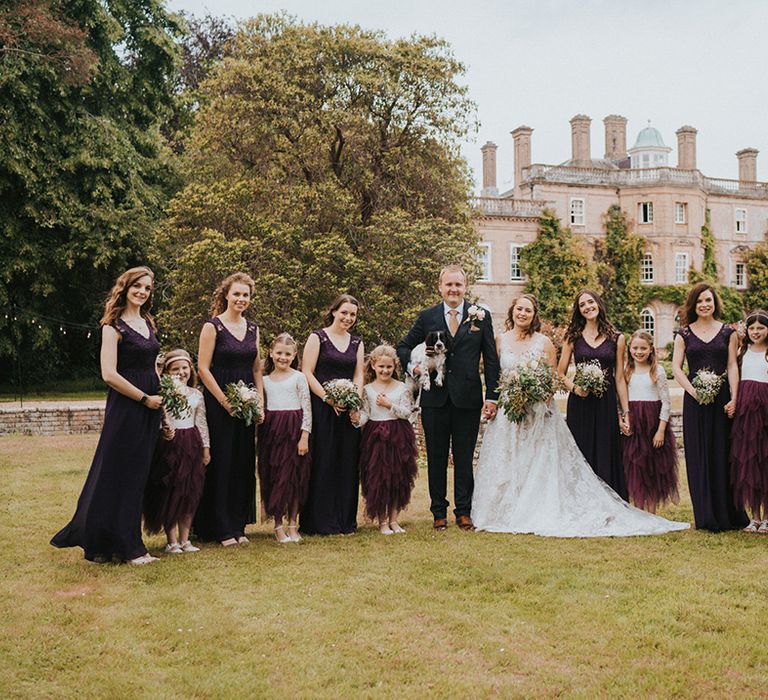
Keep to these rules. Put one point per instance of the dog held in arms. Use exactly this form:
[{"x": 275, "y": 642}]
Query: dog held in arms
[{"x": 430, "y": 356}]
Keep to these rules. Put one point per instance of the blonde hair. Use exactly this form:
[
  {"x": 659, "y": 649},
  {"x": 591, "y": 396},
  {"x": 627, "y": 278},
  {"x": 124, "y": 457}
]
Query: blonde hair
[
  {"x": 117, "y": 298},
  {"x": 374, "y": 356},
  {"x": 282, "y": 339},
  {"x": 174, "y": 356},
  {"x": 454, "y": 267},
  {"x": 219, "y": 300},
  {"x": 629, "y": 370}
]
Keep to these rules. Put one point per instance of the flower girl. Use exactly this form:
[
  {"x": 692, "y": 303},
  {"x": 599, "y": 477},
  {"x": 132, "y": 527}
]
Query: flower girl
[
  {"x": 388, "y": 450},
  {"x": 650, "y": 451},
  {"x": 284, "y": 462},
  {"x": 749, "y": 434},
  {"x": 177, "y": 475}
]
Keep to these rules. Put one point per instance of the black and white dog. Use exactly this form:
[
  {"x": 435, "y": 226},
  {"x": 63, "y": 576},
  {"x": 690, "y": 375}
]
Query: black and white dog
[{"x": 429, "y": 356}]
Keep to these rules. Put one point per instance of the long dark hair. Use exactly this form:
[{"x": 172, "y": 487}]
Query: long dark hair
[
  {"x": 535, "y": 326},
  {"x": 337, "y": 304},
  {"x": 689, "y": 314},
  {"x": 755, "y": 316},
  {"x": 282, "y": 339},
  {"x": 577, "y": 323},
  {"x": 117, "y": 297}
]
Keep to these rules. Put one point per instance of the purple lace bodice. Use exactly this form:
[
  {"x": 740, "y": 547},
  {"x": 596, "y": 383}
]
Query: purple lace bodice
[
  {"x": 333, "y": 364},
  {"x": 605, "y": 353},
  {"x": 135, "y": 353},
  {"x": 232, "y": 358},
  {"x": 712, "y": 355}
]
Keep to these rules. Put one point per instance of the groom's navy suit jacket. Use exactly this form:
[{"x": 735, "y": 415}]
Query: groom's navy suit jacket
[{"x": 462, "y": 380}]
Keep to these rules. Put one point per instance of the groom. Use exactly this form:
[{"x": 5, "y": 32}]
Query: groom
[{"x": 451, "y": 414}]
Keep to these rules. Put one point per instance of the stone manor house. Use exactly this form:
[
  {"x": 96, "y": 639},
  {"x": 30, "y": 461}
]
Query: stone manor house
[{"x": 665, "y": 204}]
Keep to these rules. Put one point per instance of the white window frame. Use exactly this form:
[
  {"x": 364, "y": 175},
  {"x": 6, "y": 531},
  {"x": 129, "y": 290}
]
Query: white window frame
[
  {"x": 682, "y": 267},
  {"x": 646, "y": 269},
  {"x": 645, "y": 212},
  {"x": 648, "y": 321},
  {"x": 514, "y": 262},
  {"x": 484, "y": 260},
  {"x": 680, "y": 212},
  {"x": 740, "y": 220},
  {"x": 577, "y": 219},
  {"x": 740, "y": 270}
]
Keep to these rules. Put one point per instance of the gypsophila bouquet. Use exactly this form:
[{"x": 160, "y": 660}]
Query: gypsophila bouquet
[
  {"x": 245, "y": 401},
  {"x": 707, "y": 385},
  {"x": 343, "y": 394},
  {"x": 174, "y": 399},
  {"x": 529, "y": 382},
  {"x": 590, "y": 377}
]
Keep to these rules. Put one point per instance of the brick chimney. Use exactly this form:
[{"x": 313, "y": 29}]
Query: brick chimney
[
  {"x": 522, "y": 139},
  {"x": 686, "y": 148},
  {"x": 580, "y": 148},
  {"x": 747, "y": 164},
  {"x": 615, "y": 137},
  {"x": 489, "y": 170}
]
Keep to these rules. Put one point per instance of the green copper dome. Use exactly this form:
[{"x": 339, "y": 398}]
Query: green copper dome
[{"x": 649, "y": 138}]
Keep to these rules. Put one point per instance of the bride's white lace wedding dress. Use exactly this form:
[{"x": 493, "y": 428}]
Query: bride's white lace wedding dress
[{"x": 532, "y": 478}]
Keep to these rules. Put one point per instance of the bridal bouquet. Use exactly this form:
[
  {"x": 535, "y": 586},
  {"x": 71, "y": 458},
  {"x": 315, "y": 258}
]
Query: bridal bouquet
[
  {"x": 524, "y": 385},
  {"x": 707, "y": 385},
  {"x": 590, "y": 377},
  {"x": 343, "y": 394},
  {"x": 245, "y": 401},
  {"x": 174, "y": 399}
]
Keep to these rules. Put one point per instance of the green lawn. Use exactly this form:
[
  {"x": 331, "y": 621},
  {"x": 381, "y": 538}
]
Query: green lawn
[{"x": 424, "y": 615}]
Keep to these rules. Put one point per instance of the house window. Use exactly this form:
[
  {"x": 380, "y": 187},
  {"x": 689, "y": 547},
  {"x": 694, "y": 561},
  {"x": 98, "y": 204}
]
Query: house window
[
  {"x": 645, "y": 214},
  {"x": 740, "y": 275},
  {"x": 577, "y": 212},
  {"x": 484, "y": 263},
  {"x": 681, "y": 268},
  {"x": 741, "y": 221},
  {"x": 647, "y": 321},
  {"x": 646, "y": 269},
  {"x": 515, "y": 271},
  {"x": 679, "y": 212}
]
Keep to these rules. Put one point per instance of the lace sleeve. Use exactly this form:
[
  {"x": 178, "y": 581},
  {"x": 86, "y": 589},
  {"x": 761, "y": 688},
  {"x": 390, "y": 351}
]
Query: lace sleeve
[
  {"x": 365, "y": 409},
  {"x": 663, "y": 388},
  {"x": 201, "y": 421},
  {"x": 302, "y": 389},
  {"x": 402, "y": 406}
]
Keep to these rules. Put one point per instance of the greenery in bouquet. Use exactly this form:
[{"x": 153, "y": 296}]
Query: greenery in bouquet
[
  {"x": 343, "y": 393},
  {"x": 245, "y": 401},
  {"x": 590, "y": 377},
  {"x": 174, "y": 399},
  {"x": 523, "y": 386},
  {"x": 707, "y": 384}
]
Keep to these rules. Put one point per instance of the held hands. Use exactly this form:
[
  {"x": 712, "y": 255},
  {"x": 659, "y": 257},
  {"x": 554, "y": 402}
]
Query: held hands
[
  {"x": 167, "y": 431},
  {"x": 624, "y": 425},
  {"x": 206, "y": 456},
  {"x": 730, "y": 408},
  {"x": 489, "y": 410}
]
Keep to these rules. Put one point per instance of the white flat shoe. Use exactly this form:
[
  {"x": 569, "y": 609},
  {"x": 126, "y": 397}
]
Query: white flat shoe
[
  {"x": 146, "y": 559},
  {"x": 189, "y": 547},
  {"x": 173, "y": 548}
]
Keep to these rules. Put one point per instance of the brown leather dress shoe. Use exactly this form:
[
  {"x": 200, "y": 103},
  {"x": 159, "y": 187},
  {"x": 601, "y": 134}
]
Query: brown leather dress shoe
[
  {"x": 465, "y": 523},
  {"x": 440, "y": 524}
]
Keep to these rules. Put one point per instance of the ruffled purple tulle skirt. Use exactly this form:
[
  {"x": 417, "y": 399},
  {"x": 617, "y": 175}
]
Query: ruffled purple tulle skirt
[
  {"x": 176, "y": 480},
  {"x": 651, "y": 472},
  {"x": 749, "y": 446},
  {"x": 283, "y": 473},
  {"x": 388, "y": 466}
]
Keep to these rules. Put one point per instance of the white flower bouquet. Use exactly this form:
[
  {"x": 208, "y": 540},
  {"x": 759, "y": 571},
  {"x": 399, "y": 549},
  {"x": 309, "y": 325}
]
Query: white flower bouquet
[
  {"x": 245, "y": 401},
  {"x": 475, "y": 314},
  {"x": 343, "y": 393},
  {"x": 591, "y": 377},
  {"x": 707, "y": 385},
  {"x": 527, "y": 383},
  {"x": 175, "y": 400}
]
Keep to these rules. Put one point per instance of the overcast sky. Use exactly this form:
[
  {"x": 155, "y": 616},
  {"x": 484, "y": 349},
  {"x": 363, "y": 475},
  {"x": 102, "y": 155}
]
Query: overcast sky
[{"x": 539, "y": 62}]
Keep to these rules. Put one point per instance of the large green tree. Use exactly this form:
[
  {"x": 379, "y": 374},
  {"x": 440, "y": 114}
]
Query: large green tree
[
  {"x": 756, "y": 295},
  {"x": 323, "y": 159},
  {"x": 83, "y": 175},
  {"x": 556, "y": 269}
]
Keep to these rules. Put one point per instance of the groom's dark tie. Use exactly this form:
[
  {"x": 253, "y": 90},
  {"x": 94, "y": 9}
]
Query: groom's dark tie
[{"x": 453, "y": 324}]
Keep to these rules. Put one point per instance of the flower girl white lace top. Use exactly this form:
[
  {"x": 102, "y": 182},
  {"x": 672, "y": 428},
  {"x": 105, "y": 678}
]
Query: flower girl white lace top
[
  {"x": 194, "y": 416},
  {"x": 532, "y": 478},
  {"x": 641, "y": 388},
  {"x": 402, "y": 404},
  {"x": 289, "y": 394}
]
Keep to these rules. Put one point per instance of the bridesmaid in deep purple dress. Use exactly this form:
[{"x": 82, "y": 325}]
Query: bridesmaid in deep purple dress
[
  {"x": 228, "y": 353},
  {"x": 706, "y": 343},
  {"x": 593, "y": 420},
  {"x": 333, "y": 353},
  {"x": 107, "y": 522}
]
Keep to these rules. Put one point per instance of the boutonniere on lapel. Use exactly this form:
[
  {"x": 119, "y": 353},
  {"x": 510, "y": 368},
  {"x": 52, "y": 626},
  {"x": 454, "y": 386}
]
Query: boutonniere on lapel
[{"x": 475, "y": 314}]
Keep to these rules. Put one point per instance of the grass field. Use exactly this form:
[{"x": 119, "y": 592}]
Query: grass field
[{"x": 424, "y": 615}]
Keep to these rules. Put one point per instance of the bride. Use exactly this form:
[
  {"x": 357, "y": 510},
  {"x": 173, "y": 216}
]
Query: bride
[{"x": 531, "y": 476}]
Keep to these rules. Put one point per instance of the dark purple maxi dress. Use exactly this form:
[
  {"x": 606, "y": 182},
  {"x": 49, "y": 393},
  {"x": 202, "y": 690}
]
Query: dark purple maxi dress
[
  {"x": 229, "y": 496},
  {"x": 331, "y": 506},
  {"x": 107, "y": 522},
  {"x": 707, "y": 437},
  {"x": 594, "y": 421}
]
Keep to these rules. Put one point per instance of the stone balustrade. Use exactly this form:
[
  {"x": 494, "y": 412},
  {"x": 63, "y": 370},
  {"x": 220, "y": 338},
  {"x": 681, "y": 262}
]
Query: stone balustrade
[{"x": 518, "y": 208}]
